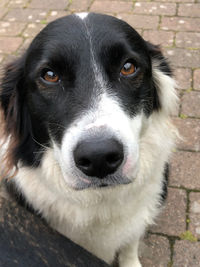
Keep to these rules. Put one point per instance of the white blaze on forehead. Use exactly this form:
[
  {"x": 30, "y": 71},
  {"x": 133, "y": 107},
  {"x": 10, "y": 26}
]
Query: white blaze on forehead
[
  {"x": 82, "y": 15},
  {"x": 95, "y": 66},
  {"x": 99, "y": 80}
]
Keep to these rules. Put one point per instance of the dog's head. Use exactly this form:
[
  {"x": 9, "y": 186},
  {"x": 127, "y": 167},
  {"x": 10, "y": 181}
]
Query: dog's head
[{"x": 84, "y": 89}]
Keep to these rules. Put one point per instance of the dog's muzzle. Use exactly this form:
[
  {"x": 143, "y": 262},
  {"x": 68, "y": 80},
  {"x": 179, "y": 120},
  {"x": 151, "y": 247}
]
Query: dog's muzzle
[{"x": 98, "y": 156}]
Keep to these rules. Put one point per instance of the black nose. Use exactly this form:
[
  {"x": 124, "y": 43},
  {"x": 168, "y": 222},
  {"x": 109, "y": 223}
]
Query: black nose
[{"x": 98, "y": 156}]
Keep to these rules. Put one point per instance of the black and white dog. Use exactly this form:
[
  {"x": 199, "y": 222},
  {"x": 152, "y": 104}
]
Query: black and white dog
[{"x": 85, "y": 113}]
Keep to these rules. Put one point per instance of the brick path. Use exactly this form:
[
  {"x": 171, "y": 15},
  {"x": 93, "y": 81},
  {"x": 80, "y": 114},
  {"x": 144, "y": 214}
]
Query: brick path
[{"x": 175, "y": 24}]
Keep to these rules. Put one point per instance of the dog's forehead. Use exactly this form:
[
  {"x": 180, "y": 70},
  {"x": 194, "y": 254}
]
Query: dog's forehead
[
  {"x": 79, "y": 40},
  {"x": 76, "y": 29}
]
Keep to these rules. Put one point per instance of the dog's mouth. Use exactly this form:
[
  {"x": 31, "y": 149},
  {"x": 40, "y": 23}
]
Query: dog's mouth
[
  {"x": 95, "y": 183},
  {"x": 104, "y": 185}
]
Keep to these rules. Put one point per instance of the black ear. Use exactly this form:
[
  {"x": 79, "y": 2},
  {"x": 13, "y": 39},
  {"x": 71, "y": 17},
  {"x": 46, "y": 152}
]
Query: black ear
[
  {"x": 159, "y": 59},
  {"x": 16, "y": 121},
  {"x": 165, "y": 96},
  {"x": 10, "y": 93}
]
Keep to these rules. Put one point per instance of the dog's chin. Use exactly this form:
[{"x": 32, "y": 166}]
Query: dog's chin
[{"x": 96, "y": 183}]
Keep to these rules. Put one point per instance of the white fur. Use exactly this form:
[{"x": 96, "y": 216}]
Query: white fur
[
  {"x": 82, "y": 15},
  {"x": 105, "y": 114},
  {"x": 168, "y": 97},
  {"x": 107, "y": 220}
]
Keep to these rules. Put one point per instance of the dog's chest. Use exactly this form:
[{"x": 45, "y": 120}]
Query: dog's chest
[
  {"x": 101, "y": 221},
  {"x": 101, "y": 229},
  {"x": 102, "y": 234}
]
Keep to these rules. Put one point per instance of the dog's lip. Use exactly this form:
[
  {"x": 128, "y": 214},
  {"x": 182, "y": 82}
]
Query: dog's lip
[
  {"x": 96, "y": 183},
  {"x": 103, "y": 185}
]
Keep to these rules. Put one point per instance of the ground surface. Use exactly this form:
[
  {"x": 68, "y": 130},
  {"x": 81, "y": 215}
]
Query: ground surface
[{"x": 175, "y": 24}]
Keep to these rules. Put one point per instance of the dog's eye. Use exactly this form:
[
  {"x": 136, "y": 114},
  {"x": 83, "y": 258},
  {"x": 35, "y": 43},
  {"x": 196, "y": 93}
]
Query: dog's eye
[
  {"x": 50, "y": 76},
  {"x": 128, "y": 69}
]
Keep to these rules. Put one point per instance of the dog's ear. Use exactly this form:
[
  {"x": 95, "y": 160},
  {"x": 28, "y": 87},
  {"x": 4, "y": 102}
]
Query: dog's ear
[
  {"x": 9, "y": 95},
  {"x": 158, "y": 57},
  {"x": 165, "y": 96},
  {"x": 15, "y": 121}
]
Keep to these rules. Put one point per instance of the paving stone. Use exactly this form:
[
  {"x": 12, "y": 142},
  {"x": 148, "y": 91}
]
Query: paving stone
[
  {"x": 197, "y": 79},
  {"x": 7, "y": 59},
  {"x": 185, "y": 170},
  {"x": 180, "y": 24},
  {"x": 9, "y": 44},
  {"x": 3, "y": 3},
  {"x": 49, "y": 4},
  {"x": 11, "y": 28},
  {"x": 155, "y": 8},
  {"x": 1, "y": 57},
  {"x": 111, "y": 6},
  {"x": 194, "y": 225},
  {"x": 171, "y": 221},
  {"x": 55, "y": 14},
  {"x": 27, "y": 15},
  {"x": 32, "y": 29},
  {"x": 18, "y": 3},
  {"x": 177, "y": 1},
  {"x": 188, "y": 39},
  {"x": 162, "y": 38},
  {"x": 3, "y": 11},
  {"x": 175, "y": 113},
  {"x": 183, "y": 77},
  {"x": 25, "y": 45},
  {"x": 189, "y": 10},
  {"x": 186, "y": 254},
  {"x": 151, "y": 247},
  {"x": 191, "y": 104},
  {"x": 183, "y": 58},
  {"x": 191, "y": 138},
  {"x": 140, "y": 21},
  {"x": 78, "y": 6}
]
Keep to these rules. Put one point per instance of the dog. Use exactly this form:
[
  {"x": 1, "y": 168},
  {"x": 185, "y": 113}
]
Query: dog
[{"x": 87, "y": 132}]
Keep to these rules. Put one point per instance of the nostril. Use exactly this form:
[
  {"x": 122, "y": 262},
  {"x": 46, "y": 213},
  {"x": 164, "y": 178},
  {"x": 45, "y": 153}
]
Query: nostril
[
  {"x": 113, "y": 158},
  {"x": 84, "y": 163}
]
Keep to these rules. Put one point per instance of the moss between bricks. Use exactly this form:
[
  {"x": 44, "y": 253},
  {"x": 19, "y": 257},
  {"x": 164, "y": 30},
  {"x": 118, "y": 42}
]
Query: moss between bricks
[
  {"x": 43, "y": 22},
  {"x": 187, "y": 235},
  {"x": 183, "y": 116}
]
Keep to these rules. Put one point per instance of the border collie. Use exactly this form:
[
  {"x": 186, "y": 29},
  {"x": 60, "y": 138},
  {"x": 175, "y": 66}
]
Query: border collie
[{"x": 86, "y": 126}]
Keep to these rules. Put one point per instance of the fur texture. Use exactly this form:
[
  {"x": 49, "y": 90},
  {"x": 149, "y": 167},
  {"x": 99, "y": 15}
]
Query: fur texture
[{"x": 44, "y": 122}]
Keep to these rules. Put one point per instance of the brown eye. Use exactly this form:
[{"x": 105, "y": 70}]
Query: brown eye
[
  {"x": 128, "y": 69},
  {"x": 50, "y": 76}
]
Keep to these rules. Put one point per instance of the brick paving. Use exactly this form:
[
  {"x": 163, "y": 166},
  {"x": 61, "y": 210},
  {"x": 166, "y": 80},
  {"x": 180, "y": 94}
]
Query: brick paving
[{"x": 175, "y": 24}]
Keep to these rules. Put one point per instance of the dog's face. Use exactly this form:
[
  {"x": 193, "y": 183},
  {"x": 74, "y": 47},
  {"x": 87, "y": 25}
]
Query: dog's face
[{"x": 83, "y": 88}]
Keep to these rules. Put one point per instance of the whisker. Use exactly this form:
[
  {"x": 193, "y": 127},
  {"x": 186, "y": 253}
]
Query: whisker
[
  {"x": 39, "y": 152},
  {"x": 57, "y": 124},
  {"x": 39, "y": 143}
]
